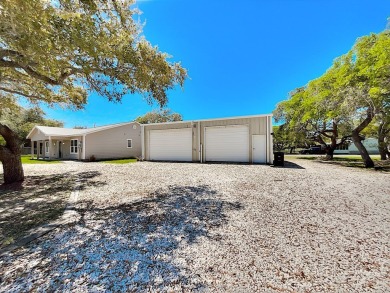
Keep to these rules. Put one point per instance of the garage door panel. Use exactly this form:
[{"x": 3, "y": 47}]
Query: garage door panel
[
  {"x": 227, "y": 144},
  {"x": 171, "y": 145}
]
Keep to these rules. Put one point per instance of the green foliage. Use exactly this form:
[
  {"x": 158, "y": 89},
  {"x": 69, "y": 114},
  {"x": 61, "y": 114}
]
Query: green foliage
[
  {"x": 285, "y": 138},
  {"x": 21, "y": 120},
  {"x": 58, "y": 51},
  {"x": 163, "y": 115},
  {"x": 345, "y": 100}
]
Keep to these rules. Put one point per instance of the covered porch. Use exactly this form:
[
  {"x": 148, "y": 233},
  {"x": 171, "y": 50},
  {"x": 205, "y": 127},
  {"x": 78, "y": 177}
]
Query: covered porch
[
  {"x": 56, "y": 143},
  {"x": 58, "y": 148}
]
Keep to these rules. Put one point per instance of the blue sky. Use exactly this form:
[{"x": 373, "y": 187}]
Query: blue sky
[{"x": 243, "y": 57}]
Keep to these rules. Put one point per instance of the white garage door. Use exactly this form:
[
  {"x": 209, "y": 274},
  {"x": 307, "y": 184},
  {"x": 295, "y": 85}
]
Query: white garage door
[
  {"x": 227, "y": 144},
  {"x": 171, "y": 145}
]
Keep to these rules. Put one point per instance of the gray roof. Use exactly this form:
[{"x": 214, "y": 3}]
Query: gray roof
[{"x": 60, "y": 131}]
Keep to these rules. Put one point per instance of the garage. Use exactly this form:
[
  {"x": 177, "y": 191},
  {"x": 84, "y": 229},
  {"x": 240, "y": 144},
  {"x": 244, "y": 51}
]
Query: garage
[
  {"x": 170, "y": 145},
  {"x": 245, "y": 139},
  {"x": 227, "y": 143}
]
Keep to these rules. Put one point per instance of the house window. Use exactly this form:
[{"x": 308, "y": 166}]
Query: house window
[
  {"x": 73, "y": 146},
  {"x": 46, "y": 147},
  {"x": 129, "y": 143}
]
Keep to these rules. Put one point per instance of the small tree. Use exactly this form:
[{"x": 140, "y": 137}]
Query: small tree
[
  {"x": 160, "y": 116},
  {"x": 57, "y": 52}
]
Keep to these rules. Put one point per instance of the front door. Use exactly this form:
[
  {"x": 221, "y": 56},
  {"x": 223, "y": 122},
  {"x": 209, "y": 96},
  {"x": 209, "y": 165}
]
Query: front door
[
  {"x": 41, "y": 148},
  {"x": 259, "y": 149},
  {"x": 60, "y": 149}
]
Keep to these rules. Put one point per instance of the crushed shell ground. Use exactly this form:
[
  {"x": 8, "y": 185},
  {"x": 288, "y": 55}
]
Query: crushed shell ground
[{"x": 168, "y": 227}]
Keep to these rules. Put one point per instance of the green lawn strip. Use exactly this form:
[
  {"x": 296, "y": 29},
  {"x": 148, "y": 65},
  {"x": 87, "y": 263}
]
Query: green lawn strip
[
  {"x": 120, "y": 161},
  {"x": 354, "y": 161},
  {"x": 336, "y": 158},
  {"x": 26, "y": 159}
]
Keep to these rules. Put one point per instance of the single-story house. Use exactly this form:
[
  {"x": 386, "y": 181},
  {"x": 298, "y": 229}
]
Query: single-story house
[
  {"x": 106, "y": 142},
  {"x": 246, "y": 139},
  {"x": 237, "y": 139},
  {"x": 371, "y": 144}
]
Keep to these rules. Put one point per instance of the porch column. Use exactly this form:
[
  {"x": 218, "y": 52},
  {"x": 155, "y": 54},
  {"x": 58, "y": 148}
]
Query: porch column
[
  {"x": 32, "y": 150},
  {"x": 50, "y": 147},
  {"x": 38, "y": 148},
  {"x": 44, "y": 150},
  {"x": 83, "y": 156}
]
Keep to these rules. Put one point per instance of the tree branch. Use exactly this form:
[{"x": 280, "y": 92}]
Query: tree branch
[
  {"x": 35, "y": 74},
  {"x": 12, "y": 140},
  {"x": 24, "y": 94},
  {"x": 326, "y": 135},
  {"x": 365, "y": 122},
  {"x": 343, "y": 139},
  {"x": 8, "y": 52}
]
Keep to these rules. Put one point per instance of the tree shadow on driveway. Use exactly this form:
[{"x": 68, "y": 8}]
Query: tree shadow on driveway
[
  {"x": 36, "y": 201},
  {"x": 289, "y": 165},
  {"x": 134, "y": 247}
]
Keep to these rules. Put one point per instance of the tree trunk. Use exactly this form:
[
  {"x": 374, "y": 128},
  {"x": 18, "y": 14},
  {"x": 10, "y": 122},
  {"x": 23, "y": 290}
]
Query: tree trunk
[
  {"x": 362, "y": 150},
  {"x": 13, "y": 168},
  {"x": 357, "y": 140},
  {"x": 382, "y": 145},
  {"x": 10, "y": 156},
  {"x": 329, "y": 152}
]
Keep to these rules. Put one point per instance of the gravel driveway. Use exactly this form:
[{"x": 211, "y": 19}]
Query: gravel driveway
[{"x": 213, "y": 228}]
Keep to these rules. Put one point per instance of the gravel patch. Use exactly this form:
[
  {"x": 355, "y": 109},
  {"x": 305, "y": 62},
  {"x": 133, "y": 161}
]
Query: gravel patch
[{"x": 213, "y": 228}]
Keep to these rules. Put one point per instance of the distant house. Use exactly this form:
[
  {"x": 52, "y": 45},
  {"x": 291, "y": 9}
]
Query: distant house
[
  {"x": 105, "y": 142},
  {"x": 371, "y": 144}
]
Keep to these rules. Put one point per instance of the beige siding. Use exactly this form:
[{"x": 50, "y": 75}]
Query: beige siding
[
  {"x": 112, "y": 143},
  {"x": 166, "y": 126},
  {"x": 38, "y": 135},
  {"x": 65, "y": 149},
  {"x": 257, "y": 125}
]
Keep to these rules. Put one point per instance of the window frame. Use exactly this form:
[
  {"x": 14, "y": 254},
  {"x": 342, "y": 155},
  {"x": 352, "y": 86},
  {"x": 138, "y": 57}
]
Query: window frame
[
  {"x": 74, "y": 147},
  {"x": 131, "y": 143}
]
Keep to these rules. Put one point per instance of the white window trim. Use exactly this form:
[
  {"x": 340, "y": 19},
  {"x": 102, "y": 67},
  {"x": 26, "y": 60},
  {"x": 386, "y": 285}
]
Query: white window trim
[
  {"x": 47, "y": 146},
  {"x": 128, "y": 143},
  {"x": 76, "y": 147}
]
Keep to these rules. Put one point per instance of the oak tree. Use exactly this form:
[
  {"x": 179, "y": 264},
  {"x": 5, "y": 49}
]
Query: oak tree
[
  {"x": 345, "y": 100},
  {"x": 57, "y": 52}
]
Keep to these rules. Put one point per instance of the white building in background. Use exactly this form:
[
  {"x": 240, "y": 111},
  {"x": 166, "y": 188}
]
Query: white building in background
[{"x": 371, "y": 145}]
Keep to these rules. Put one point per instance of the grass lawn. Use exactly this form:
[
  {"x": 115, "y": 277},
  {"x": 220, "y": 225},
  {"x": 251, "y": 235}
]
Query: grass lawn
[
  {"x": 26, "y": 159},
  {"x": 120, "y": 161},
  {"x": 344, "y": 160}
]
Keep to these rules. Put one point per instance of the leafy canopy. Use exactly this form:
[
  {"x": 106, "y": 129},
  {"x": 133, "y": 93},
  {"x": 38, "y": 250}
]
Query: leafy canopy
[
  {"x": 22, "y": 120},
  {"x": 350, "y": 93},
  {"x": 163, "y": 115},
  {"x": 58, "y": 51}
]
